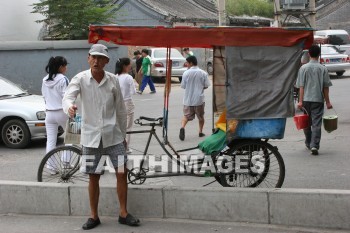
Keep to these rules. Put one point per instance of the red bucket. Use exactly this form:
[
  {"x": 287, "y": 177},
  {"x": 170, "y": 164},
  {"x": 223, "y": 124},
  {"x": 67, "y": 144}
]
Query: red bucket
[{"x": 301, "y": 121}]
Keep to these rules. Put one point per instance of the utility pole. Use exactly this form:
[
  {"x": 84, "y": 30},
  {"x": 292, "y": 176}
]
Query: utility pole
[
  {"x": 312, "y": 15},
  {"x": 277, "y": 7},
  {"x": 222, "y": 12}
]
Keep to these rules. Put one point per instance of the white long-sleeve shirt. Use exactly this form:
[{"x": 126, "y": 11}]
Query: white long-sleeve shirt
[{"x": 103, "y": 109}]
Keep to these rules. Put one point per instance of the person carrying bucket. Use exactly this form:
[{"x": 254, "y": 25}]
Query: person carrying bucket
[{"x": 313, "y": 82}]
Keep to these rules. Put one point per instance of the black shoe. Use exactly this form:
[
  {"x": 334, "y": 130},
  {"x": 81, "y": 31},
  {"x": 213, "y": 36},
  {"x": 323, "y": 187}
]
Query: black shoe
[
  {"x": 201, "y": 135},
  {"x": 182, "y": 134},
  {"x": 129, "y": 220},
  {"x": 91, "y": 223},
  {"x": 307, "y": 147},
  {"x": 153, "y": 92},
  {"x": 314, "y": 151}
]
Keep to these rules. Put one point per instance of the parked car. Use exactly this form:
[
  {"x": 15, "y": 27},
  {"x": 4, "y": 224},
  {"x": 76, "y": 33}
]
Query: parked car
[
  {"x": 22, "y": 115},
  {"x": 210, "y": 68},
  {"x": 340, "y": 38},
  {"x": 332, "y": 58},
  {"x": 158, "y": 58}
]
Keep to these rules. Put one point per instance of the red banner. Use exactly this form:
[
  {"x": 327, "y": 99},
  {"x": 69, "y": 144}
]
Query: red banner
[{"x": 200, "y": 37}]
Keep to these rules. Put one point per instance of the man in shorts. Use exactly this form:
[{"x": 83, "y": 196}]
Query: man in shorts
[
  {"x": 194, "y": 81},
  {"x": 103, "y": 130}
]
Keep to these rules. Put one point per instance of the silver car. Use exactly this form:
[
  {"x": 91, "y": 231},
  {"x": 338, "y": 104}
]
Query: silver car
[
  {"x": 22, "y": 115},
  {"x": 158, "y": 58},
  {"x": 332, "y": 58}
]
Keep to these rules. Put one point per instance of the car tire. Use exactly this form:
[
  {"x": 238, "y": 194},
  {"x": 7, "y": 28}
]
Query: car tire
[
  {"x": 15, "y": 134},
  {"x": 210, "y": 68},
  {"x": 180, "y": 79},
  {"x": 340, "y": 73}
]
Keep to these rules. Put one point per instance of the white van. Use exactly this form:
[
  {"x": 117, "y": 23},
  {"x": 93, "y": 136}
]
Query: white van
[{"x": 339, "y": 38}]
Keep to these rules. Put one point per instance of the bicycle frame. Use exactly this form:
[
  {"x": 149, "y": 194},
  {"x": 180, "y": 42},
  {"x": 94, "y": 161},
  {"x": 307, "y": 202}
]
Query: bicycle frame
[{"x": 152, "y": 132}]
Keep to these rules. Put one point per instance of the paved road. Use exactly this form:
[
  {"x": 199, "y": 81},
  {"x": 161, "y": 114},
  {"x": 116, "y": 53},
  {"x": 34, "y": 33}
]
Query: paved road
[
  {"x": 329, "y": 170},
  {"x": 53, "y": 224}
]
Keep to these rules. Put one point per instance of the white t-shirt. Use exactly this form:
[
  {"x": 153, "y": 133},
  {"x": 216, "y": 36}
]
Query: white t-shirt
[
  {"x": 127, "y": 86},
  {"x": 194, "y": 81}
]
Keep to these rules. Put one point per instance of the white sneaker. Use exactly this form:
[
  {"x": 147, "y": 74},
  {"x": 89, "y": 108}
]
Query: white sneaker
[
  {"x": 67, "y": 165},
  {"x": 53, "y": 172},
  {"x": 129, "y": 151}
]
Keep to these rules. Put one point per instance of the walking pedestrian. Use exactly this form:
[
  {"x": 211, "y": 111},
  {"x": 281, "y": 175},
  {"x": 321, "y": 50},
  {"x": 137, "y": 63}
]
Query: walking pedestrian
[
  {"x": 194, "y": 81},
  {"x": 127, "y": 87},
  {"x": 146, "y": 71},
  {"x": 313, "y": 82},
  {"x": 53, "y": 88},
  {"x": 187, "y": 52},
  {"x": 138, "y": 64},
  {"x": 103, "y": 130}
]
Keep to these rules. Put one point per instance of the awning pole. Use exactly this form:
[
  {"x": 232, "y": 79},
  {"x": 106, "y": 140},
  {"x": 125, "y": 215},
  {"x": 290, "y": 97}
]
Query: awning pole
[{"x": 167, "y": 90}]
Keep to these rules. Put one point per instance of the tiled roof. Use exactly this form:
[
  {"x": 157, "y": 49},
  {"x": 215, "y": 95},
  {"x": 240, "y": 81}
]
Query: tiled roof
[{"x": 189, "y": 10}]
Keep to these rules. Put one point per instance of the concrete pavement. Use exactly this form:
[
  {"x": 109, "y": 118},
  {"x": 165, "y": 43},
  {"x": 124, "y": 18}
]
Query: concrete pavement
[
  {"x": 312, "y": 208},
  {"x": 59, "y": 224},
  {"x": 329, "y": 170},
  {"x": 290, "y": 207}
]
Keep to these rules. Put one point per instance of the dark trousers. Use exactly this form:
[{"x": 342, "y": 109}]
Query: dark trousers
[
  {"x": 147, "y": 80},
  {"x": 313, "y": 133}
]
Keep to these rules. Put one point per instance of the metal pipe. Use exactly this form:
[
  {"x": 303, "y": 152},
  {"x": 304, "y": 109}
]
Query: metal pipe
[{"x": 222, "y": 12}]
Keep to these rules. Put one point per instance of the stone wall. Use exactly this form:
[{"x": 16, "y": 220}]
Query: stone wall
[{"x": 24, "y": 62}]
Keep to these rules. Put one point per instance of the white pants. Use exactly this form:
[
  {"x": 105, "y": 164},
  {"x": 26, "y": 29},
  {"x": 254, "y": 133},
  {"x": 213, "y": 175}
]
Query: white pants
[
  {"x": 52, "y": 121},
  {"x": 130, "y": 107}
]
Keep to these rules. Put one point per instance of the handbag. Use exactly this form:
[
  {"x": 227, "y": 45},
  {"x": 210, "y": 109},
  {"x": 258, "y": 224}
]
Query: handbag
[{"x": 73, "y": 130}]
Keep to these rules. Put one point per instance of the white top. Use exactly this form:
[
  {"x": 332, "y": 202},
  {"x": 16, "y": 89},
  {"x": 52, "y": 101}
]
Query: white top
[
  {"x": 127, "y": 85},
  {"x": 103, "y": 109},
  {"x": 53, "y": 91},
  {"x": 194, "y": 81}
]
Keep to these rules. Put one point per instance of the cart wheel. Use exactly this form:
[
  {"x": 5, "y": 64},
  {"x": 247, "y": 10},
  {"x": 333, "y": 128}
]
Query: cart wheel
[
  {"x": 261, "y": 165},
  {"x": 137, "y": 176},
  {"x": 61, "y": 165}
]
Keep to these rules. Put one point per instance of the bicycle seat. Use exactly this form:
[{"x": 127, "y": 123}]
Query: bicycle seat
[{"x": 151, "y": 119}]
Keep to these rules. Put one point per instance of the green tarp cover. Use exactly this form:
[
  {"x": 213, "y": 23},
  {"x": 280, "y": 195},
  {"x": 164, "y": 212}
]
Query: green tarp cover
[{"x": 215, "y": 142}]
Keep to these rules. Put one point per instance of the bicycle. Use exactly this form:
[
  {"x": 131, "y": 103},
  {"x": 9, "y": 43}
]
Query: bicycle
[{"x": 264, "y": 166}]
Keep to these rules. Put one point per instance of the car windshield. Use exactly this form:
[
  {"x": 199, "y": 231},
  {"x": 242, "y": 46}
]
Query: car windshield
[
  {"x": 161, "y": 53},
  {"x": 8, "y": 88},
  {"x": 329, "y": 50},
  {"x": 339, "y": 39}
]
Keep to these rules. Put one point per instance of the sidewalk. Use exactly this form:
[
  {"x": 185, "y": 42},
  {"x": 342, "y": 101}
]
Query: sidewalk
[{"x": 53, "y": 224}]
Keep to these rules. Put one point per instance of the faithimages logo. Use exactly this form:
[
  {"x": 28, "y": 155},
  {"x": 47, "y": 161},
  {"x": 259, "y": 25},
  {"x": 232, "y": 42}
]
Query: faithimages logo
[{"x": 198, "y": 164}]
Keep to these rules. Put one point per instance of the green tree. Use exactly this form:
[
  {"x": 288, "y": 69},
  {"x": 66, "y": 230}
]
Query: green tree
[
  {"x": 70, "y": 19},
  {"x": 262, "y": 8}
]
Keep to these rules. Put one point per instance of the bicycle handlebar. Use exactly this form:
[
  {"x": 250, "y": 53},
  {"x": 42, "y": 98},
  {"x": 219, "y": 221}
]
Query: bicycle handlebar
[{"x": 153, "y": 121}]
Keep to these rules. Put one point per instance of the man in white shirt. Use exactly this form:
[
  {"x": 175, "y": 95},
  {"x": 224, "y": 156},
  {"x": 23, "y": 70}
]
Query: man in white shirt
[
  {"x": 194, "y": 81},
  {"x": 103, "y": 129}
]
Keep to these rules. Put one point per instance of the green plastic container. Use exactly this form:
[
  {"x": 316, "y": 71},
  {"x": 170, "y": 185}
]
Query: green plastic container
[{"x": 330, "y": 123}]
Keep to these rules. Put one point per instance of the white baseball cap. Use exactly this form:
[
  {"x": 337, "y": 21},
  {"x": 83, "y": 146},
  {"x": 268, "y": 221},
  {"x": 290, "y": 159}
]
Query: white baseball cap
[{"x": 99, "y": 50}]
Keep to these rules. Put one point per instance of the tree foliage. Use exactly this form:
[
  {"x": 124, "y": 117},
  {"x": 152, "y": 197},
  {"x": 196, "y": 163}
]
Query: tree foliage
[
  {"x": 263, "y": 8},
  {"x": 70, "y": 19}
]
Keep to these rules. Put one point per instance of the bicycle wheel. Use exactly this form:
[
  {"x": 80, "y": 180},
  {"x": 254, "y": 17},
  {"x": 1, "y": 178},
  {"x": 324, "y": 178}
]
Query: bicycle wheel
[
  {"x": 61, "y": 165},
  {"x": 260, "y": 165}
]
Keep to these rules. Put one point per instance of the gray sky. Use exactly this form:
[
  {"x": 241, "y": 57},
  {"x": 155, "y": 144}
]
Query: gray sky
[{"x": 16, "y": 21}]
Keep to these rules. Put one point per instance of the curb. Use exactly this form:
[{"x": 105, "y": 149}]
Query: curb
[{"x": 290, "y": 207}]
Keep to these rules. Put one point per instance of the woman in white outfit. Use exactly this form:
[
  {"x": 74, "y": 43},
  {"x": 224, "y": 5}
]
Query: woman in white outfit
[
  {"x": 53, "y": 88},
  {"x": 127, "y": 86}
]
